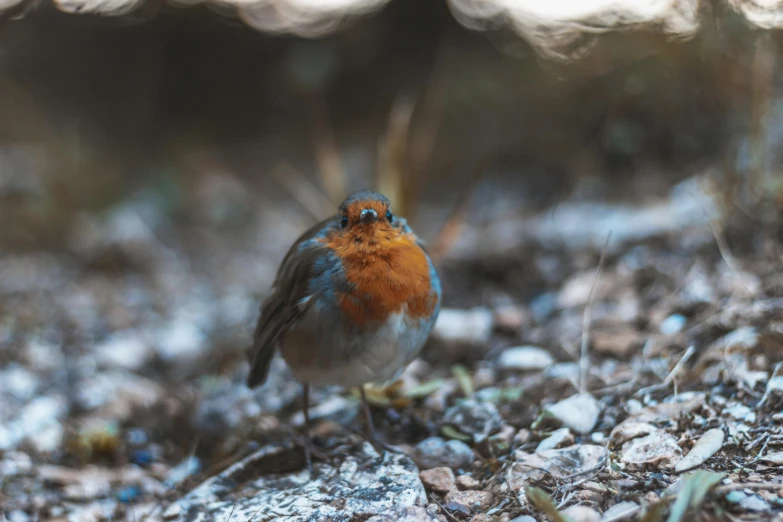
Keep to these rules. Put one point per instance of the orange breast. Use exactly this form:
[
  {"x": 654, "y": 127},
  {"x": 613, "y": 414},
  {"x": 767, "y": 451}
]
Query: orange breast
[{"x": 389, "y": 272}]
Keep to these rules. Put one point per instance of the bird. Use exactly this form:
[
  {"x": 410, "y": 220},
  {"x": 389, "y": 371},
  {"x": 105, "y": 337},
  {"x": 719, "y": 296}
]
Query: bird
[{"x": 353, "y": 302}]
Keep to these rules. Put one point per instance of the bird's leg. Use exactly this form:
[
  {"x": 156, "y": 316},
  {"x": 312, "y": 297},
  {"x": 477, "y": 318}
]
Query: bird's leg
[
  {"x": 308, "y": 440},
  {"x": 367, "y": 415}
]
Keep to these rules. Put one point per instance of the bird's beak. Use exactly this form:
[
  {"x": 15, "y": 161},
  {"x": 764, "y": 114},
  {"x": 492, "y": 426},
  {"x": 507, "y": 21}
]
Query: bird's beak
[{"x": 368, "y": 215}]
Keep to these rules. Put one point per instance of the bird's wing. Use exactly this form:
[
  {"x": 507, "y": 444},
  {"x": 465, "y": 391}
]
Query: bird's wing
[{"x": 288, "y": 301}]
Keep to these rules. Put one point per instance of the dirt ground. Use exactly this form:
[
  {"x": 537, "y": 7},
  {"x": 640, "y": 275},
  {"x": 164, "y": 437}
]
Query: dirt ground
[{"x": 591, "y": 366}]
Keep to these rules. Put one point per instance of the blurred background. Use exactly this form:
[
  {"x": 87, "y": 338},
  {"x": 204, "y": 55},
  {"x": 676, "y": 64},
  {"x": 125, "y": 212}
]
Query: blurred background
[{"x": 158, "y": 159}]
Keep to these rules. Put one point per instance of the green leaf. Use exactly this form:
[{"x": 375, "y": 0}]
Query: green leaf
[
  {"x": 463, "y": 379},
  {"x": 452, "y": 433},
  {"x": 539, "y": 498},
  {"x": 424, "y": 389},
  {"x": 695, "y": 487}
]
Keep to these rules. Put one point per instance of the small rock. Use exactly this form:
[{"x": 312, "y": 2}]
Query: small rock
[
  {"x": 182, "y": 471},
  {"x": 684, "y": 403},
  {"x": 741, "y": 413},
  {"x": 525, "y": 358},
  {"x": 15, "y": 463},
  {"x": 620, "y": 511},
  {"x": 467, "y": 482},
  {"x": 523, "y": 518},
  {"x": 439, "y": 480},
  {"x": 619, "y": 342},
  {"x": 501, "y": 442},
  {"x": 559, "y": 463},
  {"x": 582, "y": 514},
  {"x": 745, "y": 338},
  {"x": 748, "y": 502},
  {"x": 578, "y": 412},
  {"x": 673, "y": 324},
  {"x": 630, "y": 429},
  {"x": 557, "y": 439},
  {"x": 457, "y": 510},
  {"x": 435, "y": 452},
  {"x": 658, "y": 449},
  {"x": 471, "y": 498},
  {"x": 774, "y": 458},
  {"x": 522, "y": 437},
  {"x": 38, "y": 422},
  {"x": 479, "y": 419},
  {"x": 181, "y": 339},
  {"x": 18, "y": 516},
  {"x": 511, "y": 317},
  {"x": 363, "y": 485},
  {"x": 472, "y": 326},
  {"x": 707, "y": 446},
  {"x": 481, "y": 517},
  {"x": 567, "y": 371},
  {"x": 581, "y": 286},
  {"x": 18, "y": 381},
  {"x": 542, "y": 306},
  {"x": 124, "y": 350},
  {"x": 408, "y": 514}
]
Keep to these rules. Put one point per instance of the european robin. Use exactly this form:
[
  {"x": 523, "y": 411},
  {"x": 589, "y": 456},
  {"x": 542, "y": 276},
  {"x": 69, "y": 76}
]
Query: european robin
[{"x": 353, "y": 302}]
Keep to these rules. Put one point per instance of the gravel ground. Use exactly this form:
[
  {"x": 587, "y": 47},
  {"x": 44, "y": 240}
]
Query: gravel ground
[{"x": 569, "y": 377}]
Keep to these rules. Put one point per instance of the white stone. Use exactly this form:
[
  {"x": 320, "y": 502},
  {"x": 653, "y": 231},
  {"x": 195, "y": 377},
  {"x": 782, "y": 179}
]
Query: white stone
[
  {"x": 578, "y": 412},
  {"x": 525, "y": 358}
]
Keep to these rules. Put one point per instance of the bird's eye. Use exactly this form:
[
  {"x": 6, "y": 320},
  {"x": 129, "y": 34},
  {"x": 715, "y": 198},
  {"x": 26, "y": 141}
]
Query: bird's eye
[
  {"x": 389, "y": 215},
  {"x": 344, "y": 222}
]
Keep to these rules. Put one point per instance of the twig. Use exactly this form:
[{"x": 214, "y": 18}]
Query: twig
[
  {"x": 723, "y": 247},
  {"x": 672, "y": 374},
  {"x": 455, "y": 222},
  {"x": 326, "y": 152},
  {"x": 392, "y": 175},
  {"x": 583, "y": 357},
  {"x": 230, "y": 515},
  {"x": 768, "y": 389}
]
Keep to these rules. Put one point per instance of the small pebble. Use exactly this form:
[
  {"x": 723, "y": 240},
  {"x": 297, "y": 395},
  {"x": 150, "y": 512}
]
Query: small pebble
[
  {"x": 582, "y": 514},
  {"x": 479, "y": 419},
  {"x": 471, "y": 498},
  {"x": 435, "y": 452},
  {"x": 439, "y": 480},
  {"x": 620, "y": 511},
  {"x": 472, "y": 326},
  {"x": 578, "y": 412},
  {"x": 673, "y": 324},
  {"x": 467, "y": 482},
  {"x": 481, "y": 517},
  {"x": 522, "y": 437},
  {"x": 525, "y": 358},
  {"x": 457, "y": 510},
  {"x": 558, "y": 439}
]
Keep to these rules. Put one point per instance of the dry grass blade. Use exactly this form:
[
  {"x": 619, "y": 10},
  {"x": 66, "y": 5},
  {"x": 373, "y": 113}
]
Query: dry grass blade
[
  {"x": 455, "y": 223},
  {"x": 541, "y": 501},
  {"x": 327, "y": 154},
  {"x": 583, "y": 353},
  {"x": 694, "y": 488},
  {"x": 393, "y": 174}
]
